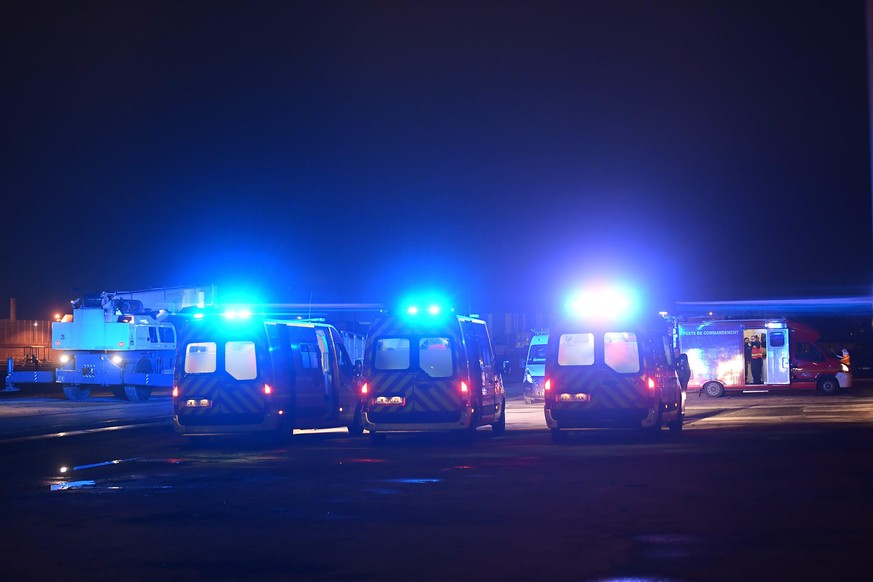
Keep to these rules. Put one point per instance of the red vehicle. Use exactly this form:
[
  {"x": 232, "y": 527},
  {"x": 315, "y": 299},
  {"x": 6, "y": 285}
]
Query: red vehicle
[{"x": 758, "y": 355}]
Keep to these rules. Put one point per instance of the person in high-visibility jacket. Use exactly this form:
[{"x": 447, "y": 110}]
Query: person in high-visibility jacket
[
  {"x": 757, "y": 362},
  {"x": 844, "y": 358}
]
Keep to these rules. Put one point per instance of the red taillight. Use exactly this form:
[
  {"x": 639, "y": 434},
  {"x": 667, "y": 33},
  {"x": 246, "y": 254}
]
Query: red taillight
[
  {"x": 548, "y": 385},
  {"x": 651, "y": 383},
  {"x": 365, "y": 388},
  {"x": 464, "y": 388},
  {"x": 175, "y": 391},
  {"x": 268, "y": 389}
]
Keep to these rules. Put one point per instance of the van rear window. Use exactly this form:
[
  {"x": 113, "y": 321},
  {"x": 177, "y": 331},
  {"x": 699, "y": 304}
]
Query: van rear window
[
  {"x": 239, "y": 360},
  {"x": 435, "y": 356},
  {"x": 621, "y": 352},
  {"x": 432, "y": 354},
  {"x": 200, "y": 358},
  {"x": 392, "y": 353},
  {"x": 576, "y": 349}
]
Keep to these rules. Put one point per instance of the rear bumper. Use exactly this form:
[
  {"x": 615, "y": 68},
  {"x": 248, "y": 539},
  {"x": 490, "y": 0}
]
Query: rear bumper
[
  {"x": 205, "y": 426},
  {"x": 601, "y": 418},
  {"x": 406, "y": 423}
]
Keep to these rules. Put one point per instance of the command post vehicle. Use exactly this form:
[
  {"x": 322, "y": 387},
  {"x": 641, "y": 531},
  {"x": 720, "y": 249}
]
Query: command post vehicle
[
  {"x": 535, "y": 368},
  {"x": 237, "y": 373},
  {"x": 758, "y": 355},
  {"x": 430, "y": 370},
  {"x": 611, "y": 371}
]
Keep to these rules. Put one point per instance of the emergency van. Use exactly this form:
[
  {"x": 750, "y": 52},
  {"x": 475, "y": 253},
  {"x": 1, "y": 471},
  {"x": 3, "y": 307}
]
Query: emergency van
[
  {"x": 758, "y": 355},
  {"x": 240, "y": 373},
  {"x": 430, "y": 370},
  {"x": 611, "y": 373},
  {"x": 535, "y": 368}
]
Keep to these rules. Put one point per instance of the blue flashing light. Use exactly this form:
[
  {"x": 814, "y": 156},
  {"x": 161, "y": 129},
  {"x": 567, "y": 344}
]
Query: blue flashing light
[
  {"x": 237, "y": 314},
  {"x": 603, "y": 303},
  {"x": 427, "y": 305}
]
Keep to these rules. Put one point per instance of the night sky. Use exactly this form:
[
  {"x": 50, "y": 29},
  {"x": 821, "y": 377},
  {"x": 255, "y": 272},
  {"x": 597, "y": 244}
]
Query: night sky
[{"x": 502, "y": 151}]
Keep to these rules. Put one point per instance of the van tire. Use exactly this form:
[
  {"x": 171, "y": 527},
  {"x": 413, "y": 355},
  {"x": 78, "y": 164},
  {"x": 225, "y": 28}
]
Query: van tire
[
  {"x": 828, "y": 385},
  {"x": 499, "y": 427},
  {"x": 713, "y": 389},
  {"x": 357, "y": 426},
  {"x": 675, "y": 426}
]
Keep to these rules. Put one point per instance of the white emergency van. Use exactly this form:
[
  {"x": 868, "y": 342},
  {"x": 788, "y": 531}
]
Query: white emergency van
[
  {"x": 535, "y": 368},
  {"x": 430, "y": 370}
]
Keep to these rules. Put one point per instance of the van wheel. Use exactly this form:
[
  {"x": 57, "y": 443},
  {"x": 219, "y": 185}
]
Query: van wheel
[
  {"x": 713, "y": 389},
  {"x": 558, "y": 436},
  {"x": 676, "y": 425},
  {"x": 828, "y": 385},
  {"x": 357, "y": 426},
  {"x": 499, "y": 427}
]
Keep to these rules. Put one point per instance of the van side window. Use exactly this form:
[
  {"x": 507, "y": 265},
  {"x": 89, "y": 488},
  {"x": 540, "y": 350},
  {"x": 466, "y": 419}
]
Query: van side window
[
  {"x": 391, "y": 354},
  {"x": 435, "y": 356},
  {"x": 166, "y": 335},
  {"x": 200, "y": 358},
  {"x": 621, "y": 352},
  {"x": 807, "y": 352},
  {"x": 481, "y": 334},
  {"x": 239, "y": 360},
  {"x": 537, "y": 354},
  {"x": 309, "y": 356},
  {"x": 576, "y": 349}
]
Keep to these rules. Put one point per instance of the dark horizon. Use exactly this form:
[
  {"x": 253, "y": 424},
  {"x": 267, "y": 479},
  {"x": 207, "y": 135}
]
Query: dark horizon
[{"x": 502, "y": 152}]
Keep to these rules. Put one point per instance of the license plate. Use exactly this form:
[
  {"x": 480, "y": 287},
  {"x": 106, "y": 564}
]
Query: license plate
[
  {"x": 390, "y": 401},
  {"x": 198, "y": 403},
  {"x": 577, "y": 397}
]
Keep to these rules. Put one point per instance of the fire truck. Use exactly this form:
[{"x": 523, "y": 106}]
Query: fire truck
[
  {"x": 758, "y": 355},
  {"x": 124, "y": 341}
]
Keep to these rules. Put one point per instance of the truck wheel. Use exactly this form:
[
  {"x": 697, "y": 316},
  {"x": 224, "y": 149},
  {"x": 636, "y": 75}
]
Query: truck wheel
[
  {"x": 499, "y": 427},
  {"x": 137, "y": 393},
  {"x": 713, "y": 389},
  {"x": 828, "y": 385},
  {"x": 77, "y": 393}
]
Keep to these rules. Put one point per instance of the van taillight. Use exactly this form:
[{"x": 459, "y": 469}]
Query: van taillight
[
  {"x": 548, "y": 385},
  {"x": 464, "y": 388},
  {"x": 268, "y": 389},
  {"x": 651, "y": 383},
  {"x": 364, "y": 388},
  {"x": 175, "y": 391}
]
